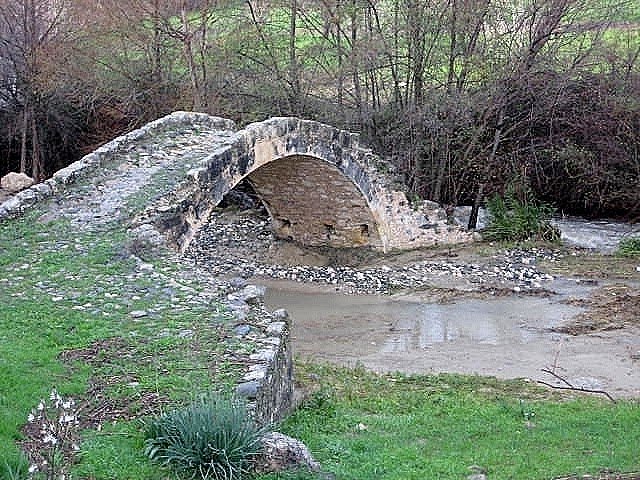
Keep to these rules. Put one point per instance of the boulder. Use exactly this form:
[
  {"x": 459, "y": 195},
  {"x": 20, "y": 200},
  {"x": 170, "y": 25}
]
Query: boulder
[
  {"x": 14, "y": 182},
  {"x": 282, "y": 452},
  {"x": 252, "y": 293}
]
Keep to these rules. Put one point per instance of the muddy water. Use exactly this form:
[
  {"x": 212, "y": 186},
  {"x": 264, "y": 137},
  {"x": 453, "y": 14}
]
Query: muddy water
[{"x": 507, "y": 337}]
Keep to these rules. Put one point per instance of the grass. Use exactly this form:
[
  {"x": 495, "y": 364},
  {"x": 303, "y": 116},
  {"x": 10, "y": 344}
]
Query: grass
[
  {"x": 629, "y": 247},
  {"x": 361, "y": 425},
  {"x": 65, "y": 322},
  {"x": 519, "y": 219}
]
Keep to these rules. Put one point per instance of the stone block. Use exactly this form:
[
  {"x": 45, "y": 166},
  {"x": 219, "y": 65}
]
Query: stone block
[{"x": 14, "y": 182}]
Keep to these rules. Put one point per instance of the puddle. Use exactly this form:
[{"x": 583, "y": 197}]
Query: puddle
[{"x": 507, "y": 337}]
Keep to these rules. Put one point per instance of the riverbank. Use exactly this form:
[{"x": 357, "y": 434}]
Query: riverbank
[{"x": 481, "y": 309}]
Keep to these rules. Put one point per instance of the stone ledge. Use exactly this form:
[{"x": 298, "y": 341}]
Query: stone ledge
[{"x": 268, "y": 379}]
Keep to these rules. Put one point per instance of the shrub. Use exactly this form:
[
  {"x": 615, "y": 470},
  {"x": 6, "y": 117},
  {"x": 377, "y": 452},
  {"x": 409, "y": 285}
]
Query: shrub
[
  {"x": 518, "y": 219},
  {"x": 629, "y": 247},
  {"x": 212, "y": 438}
]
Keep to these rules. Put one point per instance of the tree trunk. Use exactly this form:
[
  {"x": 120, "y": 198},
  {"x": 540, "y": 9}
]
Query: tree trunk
[
  {"x": 36, "y": 160},
  {"x": 473, "y": 218},
  {"x": 23, "y": 140},
  {"x": 294, "y": 75},
  {"x": 188, "y": 52}
]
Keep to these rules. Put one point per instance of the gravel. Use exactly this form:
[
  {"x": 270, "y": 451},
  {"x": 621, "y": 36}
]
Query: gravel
[{"x": 240, "y": 245}]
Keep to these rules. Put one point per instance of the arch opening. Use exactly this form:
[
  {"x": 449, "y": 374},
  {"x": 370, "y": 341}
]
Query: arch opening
[{"x": 311, "y": 202}]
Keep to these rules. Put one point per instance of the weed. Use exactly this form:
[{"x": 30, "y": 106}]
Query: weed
[
  {"x": 15, "y": 470},
  {"x": 519, "y": 218},
  {"x": 213, "y": 438},
  {"x": 629, "y": 247},
  {"x": 54, "y": 426}
]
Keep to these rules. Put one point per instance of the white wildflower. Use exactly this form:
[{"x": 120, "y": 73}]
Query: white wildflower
[
  {"x": 67, "y": 419},
  {"x": 33, "y": 468},
  {"x": 50, "y": 439},
  {"x": 31, "y": 418},
  {"x": 41, "y": 406}
]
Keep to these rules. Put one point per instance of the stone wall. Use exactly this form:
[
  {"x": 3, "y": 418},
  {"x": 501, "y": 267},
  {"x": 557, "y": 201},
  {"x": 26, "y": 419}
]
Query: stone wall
[
  {"x": 274, "y": 393},
  {"x": 314, "y": 203},
  {"x": 268, "y": 380}
]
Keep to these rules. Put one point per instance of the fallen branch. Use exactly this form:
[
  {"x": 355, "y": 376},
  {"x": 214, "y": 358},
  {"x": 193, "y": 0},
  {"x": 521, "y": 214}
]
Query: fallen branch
[{"x": 569, "y": 386}]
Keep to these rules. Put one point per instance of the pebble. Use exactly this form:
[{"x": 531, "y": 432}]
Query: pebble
[
  {"x": 242, "y": 330},
  {"x": 240, "y": 245}
]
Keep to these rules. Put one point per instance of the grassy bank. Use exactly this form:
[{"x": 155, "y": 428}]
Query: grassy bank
[
  {"x": 361, "y": 425},
  {"x": 80, "y": 315}
]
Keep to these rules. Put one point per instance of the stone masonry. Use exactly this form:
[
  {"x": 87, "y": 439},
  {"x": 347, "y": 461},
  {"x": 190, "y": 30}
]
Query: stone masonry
[
  {"x": 319, "y": 184},
  {"x": 317, "y": 191}
]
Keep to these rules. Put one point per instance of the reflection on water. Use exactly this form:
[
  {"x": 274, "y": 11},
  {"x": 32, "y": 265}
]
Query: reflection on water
[
  {"x": 507, "y": 337},
  {"x": 404, "y": 326},
  {"x": 479, "y": 321}
]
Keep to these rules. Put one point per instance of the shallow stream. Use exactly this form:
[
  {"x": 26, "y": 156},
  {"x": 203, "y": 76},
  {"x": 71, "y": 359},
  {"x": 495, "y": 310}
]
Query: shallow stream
[{"x": 503, "y": 336}]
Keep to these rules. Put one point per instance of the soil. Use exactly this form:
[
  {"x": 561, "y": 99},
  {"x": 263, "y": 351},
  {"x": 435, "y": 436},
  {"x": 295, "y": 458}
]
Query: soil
[{"x": 612, "y": 307}]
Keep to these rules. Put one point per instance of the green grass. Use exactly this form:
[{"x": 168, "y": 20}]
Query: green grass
[
  {"x": 629, "y": 247},
  {"x": 63, "y": 289},
  {"x": 519, "y": 219},
  {"x": 361, "y": 425}
]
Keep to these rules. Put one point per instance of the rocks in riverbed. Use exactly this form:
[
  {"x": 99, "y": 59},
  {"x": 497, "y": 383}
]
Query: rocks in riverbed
[
  {"x": 252, "y": 293},
  {"x": 239, "y": 247}
]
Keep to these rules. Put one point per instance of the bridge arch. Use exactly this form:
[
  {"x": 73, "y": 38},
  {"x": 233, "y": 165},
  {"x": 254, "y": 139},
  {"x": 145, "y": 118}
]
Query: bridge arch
[
  {"x": 320, "y": 186},
  {"x": 312, "y": 202}
]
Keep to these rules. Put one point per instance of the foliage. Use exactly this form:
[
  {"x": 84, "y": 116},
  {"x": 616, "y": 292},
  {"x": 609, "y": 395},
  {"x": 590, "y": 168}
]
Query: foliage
[
  {"x": 398, "y": 427},
  {"x": 519, "y": 219},
  {"x": 14, "y": 470},
  {"x": 212, "y": 438},
  {"x": 458, "y": 94},
  {"x": 629, "y": 247}
]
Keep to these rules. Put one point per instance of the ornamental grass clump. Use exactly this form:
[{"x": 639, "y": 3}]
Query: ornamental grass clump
[
  {"x": 213, "y": 438},
  {"x": 519, "y": 218}
]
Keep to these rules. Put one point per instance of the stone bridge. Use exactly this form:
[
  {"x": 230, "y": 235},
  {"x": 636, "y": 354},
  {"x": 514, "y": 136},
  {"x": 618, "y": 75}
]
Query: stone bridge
[{"x": 319, "y": 185}]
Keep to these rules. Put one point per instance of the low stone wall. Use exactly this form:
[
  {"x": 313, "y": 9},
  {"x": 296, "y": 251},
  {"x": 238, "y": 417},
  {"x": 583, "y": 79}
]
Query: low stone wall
[
  {"x": 268, "y": 381},
  {"x": 274, "y": 390}
]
